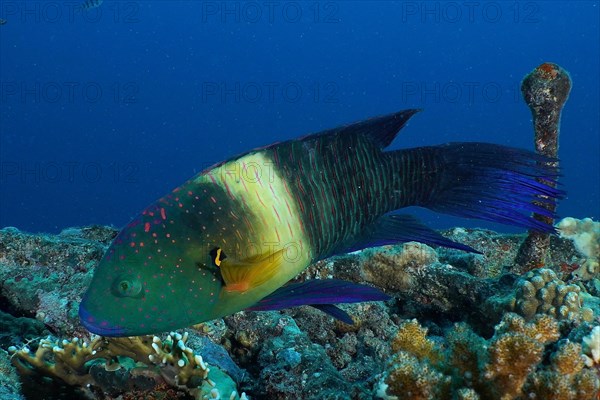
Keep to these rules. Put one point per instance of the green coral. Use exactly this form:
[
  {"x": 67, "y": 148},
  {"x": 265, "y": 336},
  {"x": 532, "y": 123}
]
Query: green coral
[
  {"x": 510, "y": 365},
  {"x": 132, "y": 362}
]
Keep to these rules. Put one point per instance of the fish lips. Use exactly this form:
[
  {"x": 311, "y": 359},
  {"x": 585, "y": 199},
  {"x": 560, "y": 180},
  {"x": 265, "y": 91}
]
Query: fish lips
[{"x": 102, "y": 328}]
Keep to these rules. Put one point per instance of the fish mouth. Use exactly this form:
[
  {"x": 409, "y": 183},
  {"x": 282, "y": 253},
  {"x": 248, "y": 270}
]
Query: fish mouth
[{"x": 98, "y": 327}]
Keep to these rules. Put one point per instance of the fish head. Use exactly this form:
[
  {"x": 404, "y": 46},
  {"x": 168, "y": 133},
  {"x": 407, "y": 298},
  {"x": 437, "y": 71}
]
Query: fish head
[
  {"x": 199, "y": 253},
  {"x": 157, "y": 275}
]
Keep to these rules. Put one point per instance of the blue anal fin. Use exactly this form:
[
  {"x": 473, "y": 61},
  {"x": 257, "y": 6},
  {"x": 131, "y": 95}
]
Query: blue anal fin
[
  {"x": 321, "y": 294},
  {"x": 335, "y": 312},
  {"x": 399, "y": 228}
]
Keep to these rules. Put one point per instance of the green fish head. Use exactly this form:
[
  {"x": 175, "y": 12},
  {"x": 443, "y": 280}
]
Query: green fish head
[{"x": 157, "y": 275}]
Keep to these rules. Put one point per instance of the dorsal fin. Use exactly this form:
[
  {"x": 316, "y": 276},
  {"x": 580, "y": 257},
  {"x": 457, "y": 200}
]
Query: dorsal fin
[{"x": 380, "y": 130}]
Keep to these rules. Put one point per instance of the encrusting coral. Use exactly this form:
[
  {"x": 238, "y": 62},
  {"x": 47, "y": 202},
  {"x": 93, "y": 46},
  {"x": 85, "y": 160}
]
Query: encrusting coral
[
  {"x": 396, "y": 269},
  {"x": 141, "y": 363},
  {"x": 510, "y": 365}
]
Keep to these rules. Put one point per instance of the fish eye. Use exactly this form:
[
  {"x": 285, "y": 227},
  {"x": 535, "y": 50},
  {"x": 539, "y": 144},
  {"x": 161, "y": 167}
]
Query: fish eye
[{"x": 126, "y": 286}]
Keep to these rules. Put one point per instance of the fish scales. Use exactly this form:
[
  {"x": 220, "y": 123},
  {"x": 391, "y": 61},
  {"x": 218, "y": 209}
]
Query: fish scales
[{"x": 233, "y": 236}]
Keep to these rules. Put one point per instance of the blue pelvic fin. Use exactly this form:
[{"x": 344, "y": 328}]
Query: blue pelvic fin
[
  {"x": 321, "y": 294},
  {"x": 400, "y": 228}
]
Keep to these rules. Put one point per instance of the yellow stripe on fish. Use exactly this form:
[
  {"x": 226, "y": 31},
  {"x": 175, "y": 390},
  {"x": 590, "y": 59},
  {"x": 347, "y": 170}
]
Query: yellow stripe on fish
[{"x": 253, "y": 181}]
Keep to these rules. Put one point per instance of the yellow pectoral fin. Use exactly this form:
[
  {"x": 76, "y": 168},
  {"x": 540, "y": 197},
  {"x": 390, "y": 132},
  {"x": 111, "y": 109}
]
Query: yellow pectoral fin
[{"x": 240, "y": 276}]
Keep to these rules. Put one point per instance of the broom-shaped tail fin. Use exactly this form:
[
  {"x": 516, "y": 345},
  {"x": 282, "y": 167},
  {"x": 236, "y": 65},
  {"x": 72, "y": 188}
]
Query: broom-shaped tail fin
[{"x": 480, "y": 180}]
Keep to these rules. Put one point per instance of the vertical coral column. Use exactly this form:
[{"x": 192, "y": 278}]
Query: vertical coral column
[{"x": 545, "y": 91}]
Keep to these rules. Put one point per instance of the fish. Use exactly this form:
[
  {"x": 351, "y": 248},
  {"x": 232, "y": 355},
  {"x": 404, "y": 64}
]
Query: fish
[
  {"x": 2, "y": 21},
  {"x": 89, "y": 4},
  {"x": 234, "y": 236}
]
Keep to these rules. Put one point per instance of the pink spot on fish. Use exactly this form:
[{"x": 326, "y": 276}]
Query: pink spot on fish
[{"x": 163, "y": 214}]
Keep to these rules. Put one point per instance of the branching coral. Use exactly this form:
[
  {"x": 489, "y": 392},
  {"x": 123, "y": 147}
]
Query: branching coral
[
  {"x": 412, "y": 378},
  {"x": 515, "y": 351},
  {"x": 412, "y": 338},
  {"x": 510, "y": 365},
  {"x": 167, "y": 362},
  {"x": 565, "y": 379}
]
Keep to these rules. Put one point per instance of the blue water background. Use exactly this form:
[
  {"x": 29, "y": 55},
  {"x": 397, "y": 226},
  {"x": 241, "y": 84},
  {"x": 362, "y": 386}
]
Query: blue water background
[{"x": 103, "y": 112}]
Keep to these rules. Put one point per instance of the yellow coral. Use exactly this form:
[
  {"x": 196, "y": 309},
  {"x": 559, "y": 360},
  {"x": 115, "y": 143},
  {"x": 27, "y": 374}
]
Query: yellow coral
[
  {"x": 413, "y": 379},
  {"x": 59, "y": 360},
  {"x": 517, "y": 350},
  {"x": 509, "y": 366},
  {"x": 568, "y": 358},
  {"x": 543, "y": 328},
  {"x": 567, "y": 379},
  {"x": 412, "y": 338}
]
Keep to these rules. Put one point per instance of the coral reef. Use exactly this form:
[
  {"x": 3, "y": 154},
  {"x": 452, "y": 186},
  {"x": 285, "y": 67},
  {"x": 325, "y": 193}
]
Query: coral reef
[
  {"x": 10, "y": 387},
  {"x": 396, "y": 268},
  {"x": 507, "y": 366},
  {"x": 585, "y": 235},
  {"x": 460, "y": 351},
  {"x": 43, "y": 276},
  {"x": 540, "y": 291},
  {"x": 591, "y": 348},
  {"x": 143, "y": 364}
]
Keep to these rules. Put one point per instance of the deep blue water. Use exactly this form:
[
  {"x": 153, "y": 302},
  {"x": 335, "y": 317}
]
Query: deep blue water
[{"x": 102, "y": 112}]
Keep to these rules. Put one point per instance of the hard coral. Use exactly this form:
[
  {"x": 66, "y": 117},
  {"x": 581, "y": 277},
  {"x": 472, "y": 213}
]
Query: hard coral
[
  {"x": 411, "y": 378},
  {"x": 585, "y": 234},
  {"x": 412, "y": 337},
  {"x": 146, "y": 362},
  {"x": 565, "y": 379},
  {"x": 512, "y": 358},
  {"x": 396, "y": 270},
  {"x": 540, "y": 291},
  {"x": 510, "y": 365},
  {"x": 591, "y": 348}
]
